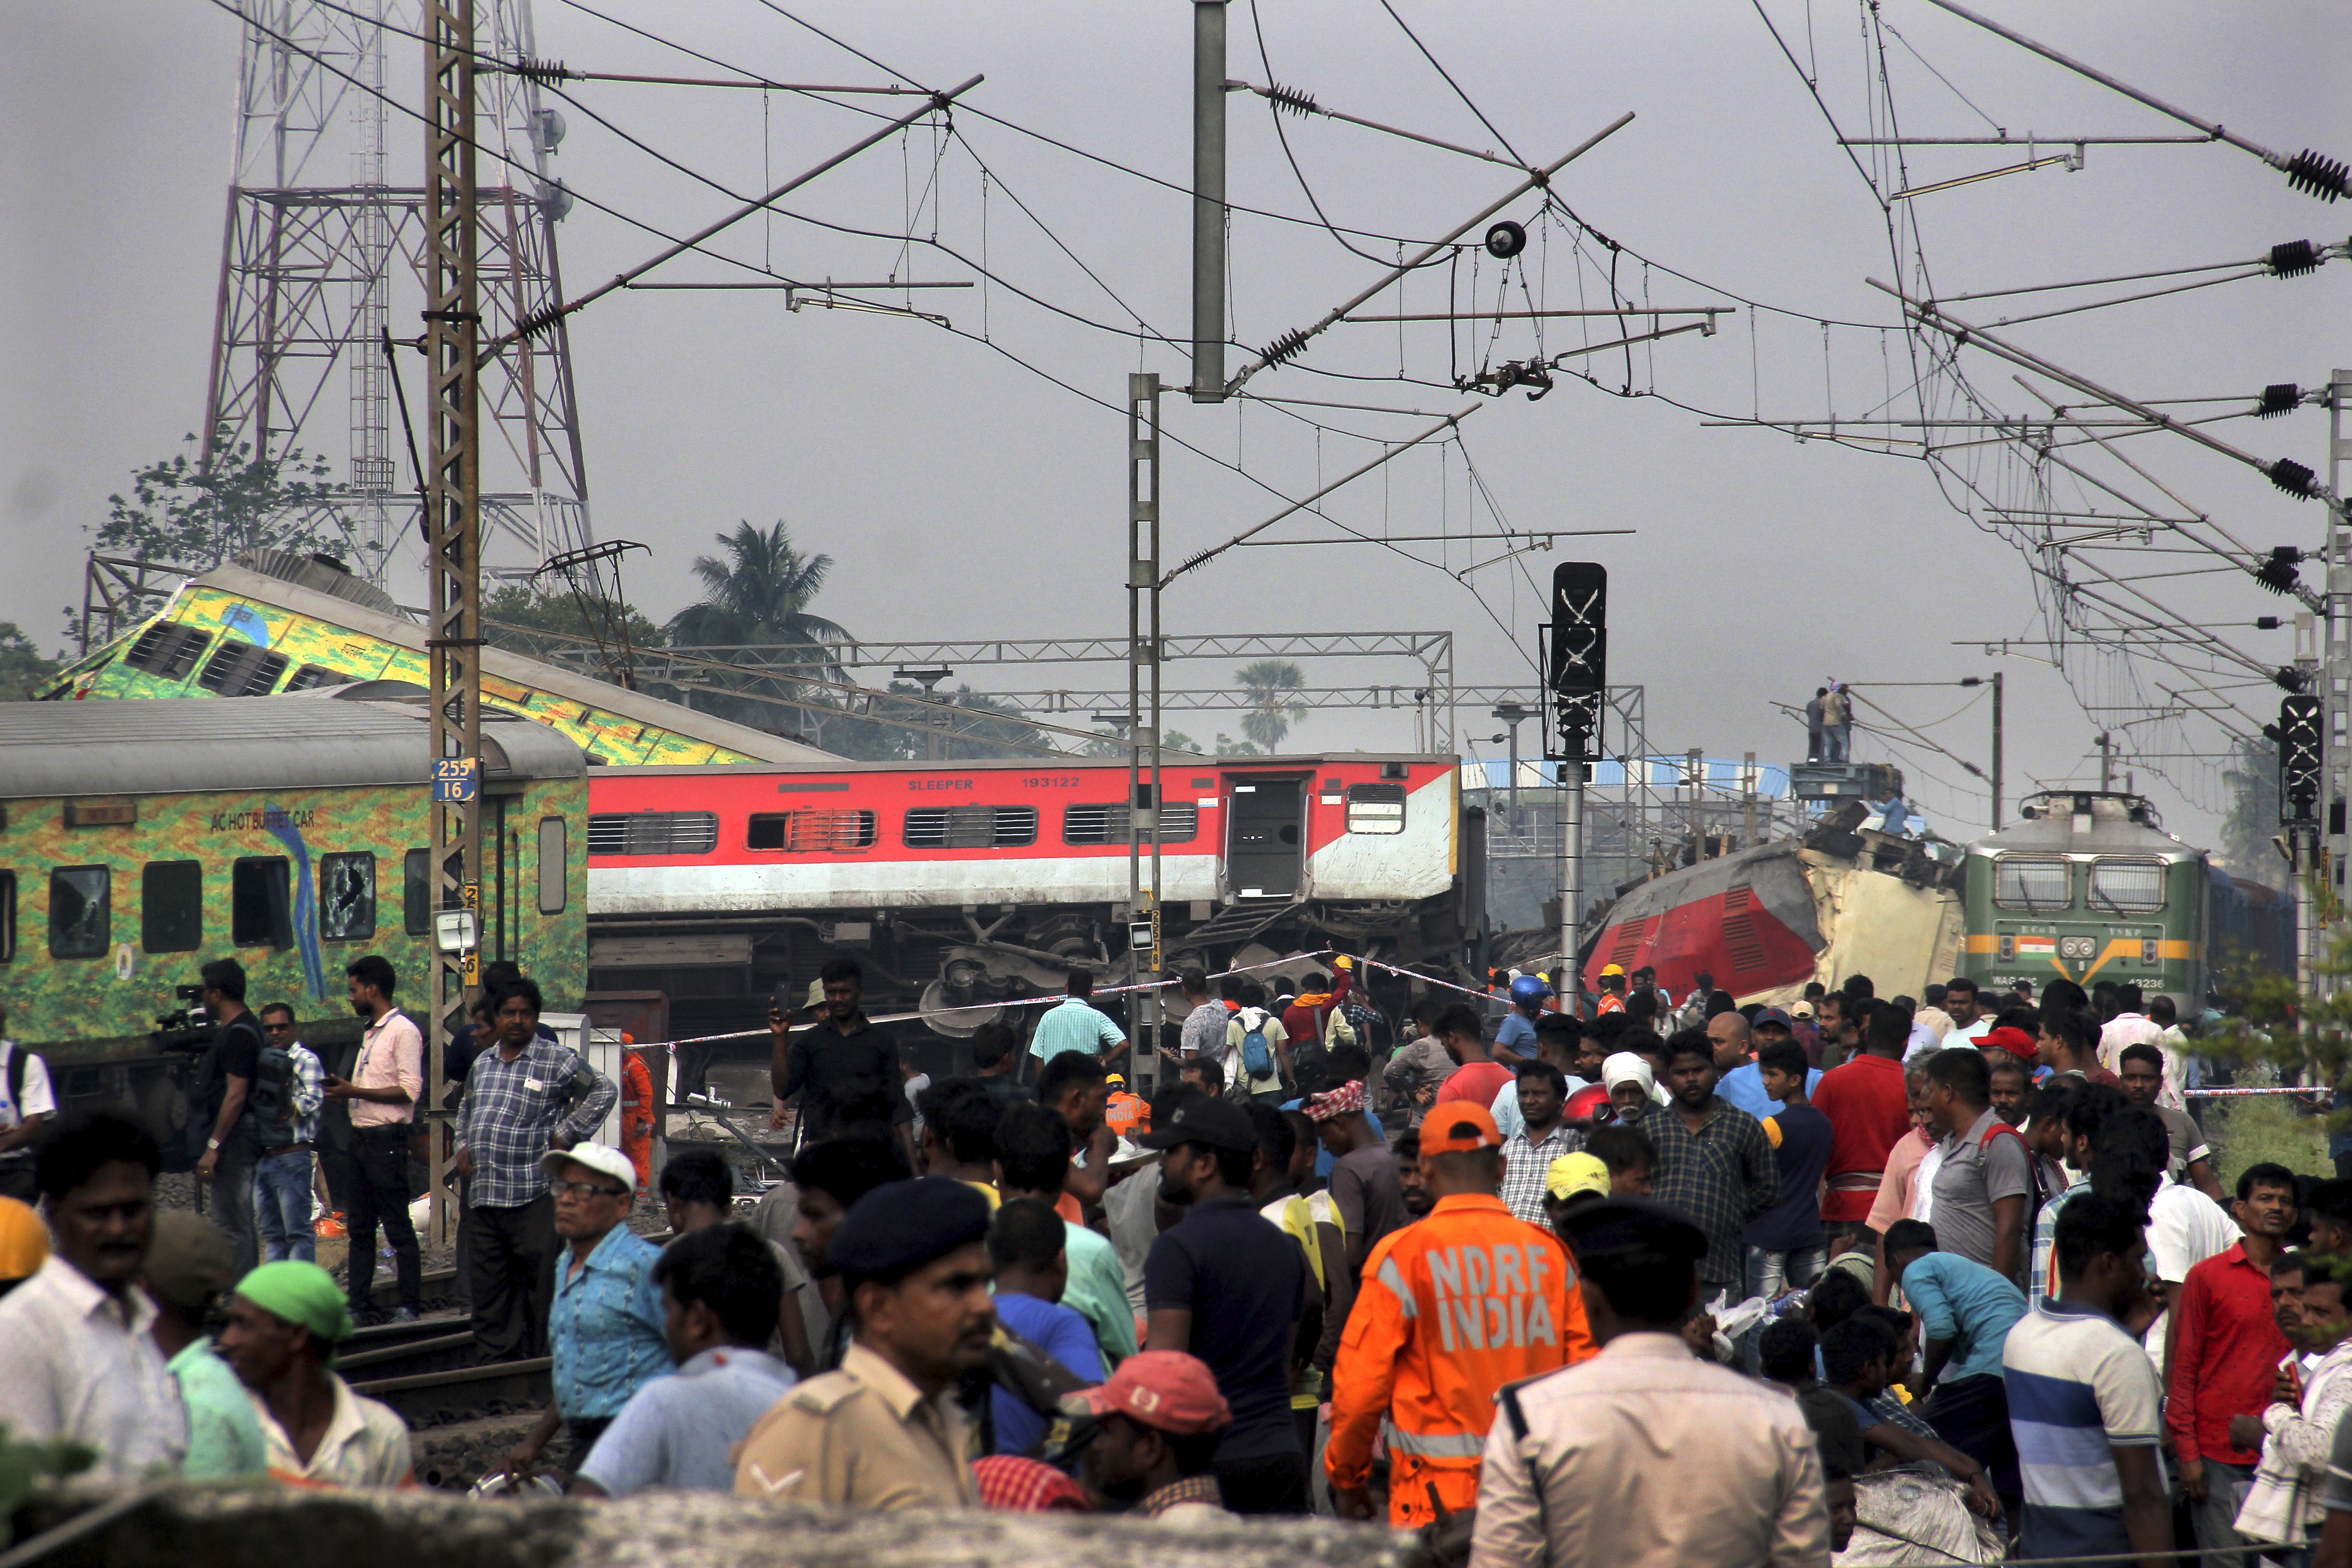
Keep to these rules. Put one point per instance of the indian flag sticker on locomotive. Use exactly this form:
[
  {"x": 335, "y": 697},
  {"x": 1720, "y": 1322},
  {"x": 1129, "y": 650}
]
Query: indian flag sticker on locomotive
[{"x": 2037, "y": 947}]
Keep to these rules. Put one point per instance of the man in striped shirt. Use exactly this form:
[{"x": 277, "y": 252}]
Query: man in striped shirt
[{"x": 2084, "y": 1405}]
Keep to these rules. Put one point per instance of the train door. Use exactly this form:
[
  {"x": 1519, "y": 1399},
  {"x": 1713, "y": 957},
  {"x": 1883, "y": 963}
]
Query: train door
[{"x": 1265, "y": 833}]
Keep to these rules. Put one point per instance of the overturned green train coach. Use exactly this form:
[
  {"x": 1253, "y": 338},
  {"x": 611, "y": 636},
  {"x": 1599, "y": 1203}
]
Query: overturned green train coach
[{"x": 139, "y": 840}]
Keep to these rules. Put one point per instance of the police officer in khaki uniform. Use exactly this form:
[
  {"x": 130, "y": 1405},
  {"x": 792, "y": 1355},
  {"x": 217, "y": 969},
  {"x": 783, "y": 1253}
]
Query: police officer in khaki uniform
[{"x": 883, "y": 1432}]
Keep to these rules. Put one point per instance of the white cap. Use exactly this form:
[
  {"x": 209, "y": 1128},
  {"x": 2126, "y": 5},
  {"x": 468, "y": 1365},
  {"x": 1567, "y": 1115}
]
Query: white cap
[{"x": 602, "y": 1158}]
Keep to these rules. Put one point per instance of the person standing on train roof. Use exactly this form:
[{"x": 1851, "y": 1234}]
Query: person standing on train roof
[
  {"x": 1076, "y": 1024},
  {"x": 844, "y": 1071}
]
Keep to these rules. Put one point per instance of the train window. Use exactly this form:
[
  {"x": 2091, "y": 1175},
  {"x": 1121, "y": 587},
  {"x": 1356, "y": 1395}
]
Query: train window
[
  {"x": 312, "y": 675},
  {"x": 416, "y": 892},
  {"x": 172, "y": 905},
  {"x": 82, "y": 911},
  {"x": 347, "y": 896},
  {"x": 2032, "y": 882},
  {"x": 8, "y": 917},
  {"x": 262, "y": 903},
  {"x": 970, "y": 826},
  {"x": 653, "y": 833},
  {"x": 242, "y": 669},
  {"x": 811, "y": 828},
  {"x": 2123, "y": 887},
  {"x": 167, "y": 650},
  {"x": 1376, "y": 808},
  {"x": 553, "y": 866},
  {"x": 1179, "y": 823}
]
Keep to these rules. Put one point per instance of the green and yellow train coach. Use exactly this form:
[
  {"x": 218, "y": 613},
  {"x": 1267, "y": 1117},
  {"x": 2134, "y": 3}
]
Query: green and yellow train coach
[
  {"x": 2089, "y": 887},
  {"x": 139, "y": 840}
]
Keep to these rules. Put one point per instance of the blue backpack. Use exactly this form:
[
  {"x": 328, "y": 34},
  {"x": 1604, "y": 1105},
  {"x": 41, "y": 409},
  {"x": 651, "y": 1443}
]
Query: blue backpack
[{"x": 1256, "y": 1057}]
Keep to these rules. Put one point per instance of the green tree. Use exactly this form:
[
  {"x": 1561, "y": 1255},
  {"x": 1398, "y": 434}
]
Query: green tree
[
  {"x": 22, "y": 667},
  {"x": 1272, "y": 712},
  {"x": 1176, "y": 741},
  {"x": 516, "y": 610},
  {"x": 198, "y": 514},
  {"x": 759, "y": 594},
  {"x": 877, "y": 732}
]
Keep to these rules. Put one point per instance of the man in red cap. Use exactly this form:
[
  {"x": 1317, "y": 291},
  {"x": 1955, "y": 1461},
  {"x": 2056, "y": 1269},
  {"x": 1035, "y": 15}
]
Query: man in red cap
[
  {"x": 1156, "y": 1451},
  {"x": 1451, "y": 1309}
]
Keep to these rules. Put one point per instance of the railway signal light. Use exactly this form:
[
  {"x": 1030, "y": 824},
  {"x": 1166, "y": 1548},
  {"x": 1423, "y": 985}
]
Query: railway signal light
[
  {"x": 1577, "y": 657},
  {"x": 2299, "y": 744}
]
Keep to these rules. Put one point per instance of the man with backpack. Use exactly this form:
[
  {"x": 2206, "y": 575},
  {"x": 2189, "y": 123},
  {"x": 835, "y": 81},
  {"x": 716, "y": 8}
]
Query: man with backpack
[
  {"x": 27, "y": 1105},
  {"x": 1984, "y": 1187},
  {"x": 1256, "y": 1039},
  {"x": 385, "y": 1084},
  {"x": 289, "y": 1086},
  {"x": 231, "y": 1146}
]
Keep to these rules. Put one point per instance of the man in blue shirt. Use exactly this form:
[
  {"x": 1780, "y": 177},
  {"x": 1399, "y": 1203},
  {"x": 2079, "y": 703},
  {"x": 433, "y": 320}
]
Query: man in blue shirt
[
  {"x": 720, "y": 1291},
  {"x": 1787, "y": 1246},
  {"x": 606, "y": 1328},
  {"x": 1076, "y": 1024},
  {"x": 1026, "y": 1243},
  {"x": 1515, "y": 1037},
  {"x": 1965, "y": 1311},
  {"x": 1742, "y": 1082}
]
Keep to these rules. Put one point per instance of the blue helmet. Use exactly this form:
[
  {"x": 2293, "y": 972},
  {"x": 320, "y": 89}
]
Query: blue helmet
[{"x": 1528, "y": 988}]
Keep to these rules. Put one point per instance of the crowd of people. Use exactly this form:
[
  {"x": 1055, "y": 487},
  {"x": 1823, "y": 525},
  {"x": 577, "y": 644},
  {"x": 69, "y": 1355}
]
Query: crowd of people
[{"x": 1664, "y": 1284}]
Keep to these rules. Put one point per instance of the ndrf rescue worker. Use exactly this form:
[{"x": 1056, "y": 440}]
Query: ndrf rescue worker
[{"x": 1451, "y": 1309}]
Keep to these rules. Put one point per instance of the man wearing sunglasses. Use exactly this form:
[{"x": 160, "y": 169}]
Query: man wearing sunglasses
[
  {"x": 287, "y": 1099},
  {"x": 606, "y": 1328}
]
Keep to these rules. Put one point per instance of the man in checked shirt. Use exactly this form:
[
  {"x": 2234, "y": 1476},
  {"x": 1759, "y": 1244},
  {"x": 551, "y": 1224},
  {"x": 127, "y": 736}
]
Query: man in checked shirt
[{"x": 524, "y": 1098}]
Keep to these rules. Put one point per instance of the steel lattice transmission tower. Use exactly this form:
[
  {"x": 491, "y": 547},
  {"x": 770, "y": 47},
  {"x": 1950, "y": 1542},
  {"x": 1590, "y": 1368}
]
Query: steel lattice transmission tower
[{"x": 315, "y": 240}]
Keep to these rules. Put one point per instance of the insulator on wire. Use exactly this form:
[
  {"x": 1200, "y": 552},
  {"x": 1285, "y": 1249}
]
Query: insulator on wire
[
  {"x": 2316, "y": 177},
  {"x": 2295, "y": 479},
  {"x": 2294, "y": 258},
  {"x": 545, "y": 72},
  {"x": 2278, "y": 572},
  {"x": 1288, "y": 345},
  {"x": 2289, "y": 679},
  {"x": 1297, "y": 99},
  {"x": 2279, "y": 397}
]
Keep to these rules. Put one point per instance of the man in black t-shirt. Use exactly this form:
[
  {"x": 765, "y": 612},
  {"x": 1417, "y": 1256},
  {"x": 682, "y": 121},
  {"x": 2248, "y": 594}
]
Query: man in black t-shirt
[
  {"x": 844, "y": 1071},
  {"x": 231, "y": 1147},
  {"x": 1229, "y": 1287}
]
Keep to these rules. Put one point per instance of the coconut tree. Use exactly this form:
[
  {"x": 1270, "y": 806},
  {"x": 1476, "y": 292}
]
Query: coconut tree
[
  {"x": 759, "y": 594},
  {"x": 1271, "y": 711}
]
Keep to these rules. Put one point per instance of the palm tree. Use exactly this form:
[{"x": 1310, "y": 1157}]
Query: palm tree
[
  {"x": 759, "y": 594},
  {"x": 1270, "y": 714}
]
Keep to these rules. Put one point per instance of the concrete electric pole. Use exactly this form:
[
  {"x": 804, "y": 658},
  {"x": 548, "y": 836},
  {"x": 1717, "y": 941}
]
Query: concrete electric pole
[
  {"x": 1143, "y": 947},
  {"x": 1208, "y": 201}
]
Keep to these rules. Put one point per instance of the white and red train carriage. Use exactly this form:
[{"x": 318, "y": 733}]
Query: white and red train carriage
[{"x": 958, "y": 885}]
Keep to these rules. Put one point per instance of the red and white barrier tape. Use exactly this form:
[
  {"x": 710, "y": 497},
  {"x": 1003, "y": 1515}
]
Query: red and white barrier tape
[
  {"x": 2224, "y": 1093},
  {"x": 1111, "y": 991}
]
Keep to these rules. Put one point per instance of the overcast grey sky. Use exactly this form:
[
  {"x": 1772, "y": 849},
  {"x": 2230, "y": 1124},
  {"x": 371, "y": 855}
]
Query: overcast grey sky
[{"x": 960, "y": 494}]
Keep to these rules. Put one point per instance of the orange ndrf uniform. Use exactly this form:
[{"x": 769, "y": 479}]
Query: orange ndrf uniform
[{"x": 1450, "y": 1309}]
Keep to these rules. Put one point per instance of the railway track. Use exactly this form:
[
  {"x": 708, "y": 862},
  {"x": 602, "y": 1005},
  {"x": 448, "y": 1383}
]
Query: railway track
[{"x": 432, "y": 1373}]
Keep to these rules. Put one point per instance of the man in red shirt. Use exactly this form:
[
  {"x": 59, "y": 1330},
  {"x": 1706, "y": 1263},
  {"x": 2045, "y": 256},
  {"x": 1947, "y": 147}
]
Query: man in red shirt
[
  {"x": 1869, "y": 1108},
  {"x": 1479, "y": 1077},
  {"x": 2226, "y": 1349}
]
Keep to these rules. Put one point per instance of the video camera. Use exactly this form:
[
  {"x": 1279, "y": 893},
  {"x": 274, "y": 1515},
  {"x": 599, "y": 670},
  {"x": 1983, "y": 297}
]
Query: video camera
[{"x": 187, "y": 1027}]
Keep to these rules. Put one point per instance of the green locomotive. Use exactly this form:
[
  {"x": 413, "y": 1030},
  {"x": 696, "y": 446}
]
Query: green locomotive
[
  {"x": 2089, "y": 887},
  {"x": 139, "y": 840}
]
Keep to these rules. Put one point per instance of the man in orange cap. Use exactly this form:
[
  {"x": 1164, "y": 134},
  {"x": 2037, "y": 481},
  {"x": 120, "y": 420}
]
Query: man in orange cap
[{"x": 1452, "y": 1309}]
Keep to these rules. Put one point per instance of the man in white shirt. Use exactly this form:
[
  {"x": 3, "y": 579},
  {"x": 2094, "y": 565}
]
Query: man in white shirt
[
  {"x": 1970, "y": 1020},
  {"x": 2130, "y": 1027},
  {"x": 76, "y": 1358},
  {"x": 26, "y": 1104}
]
